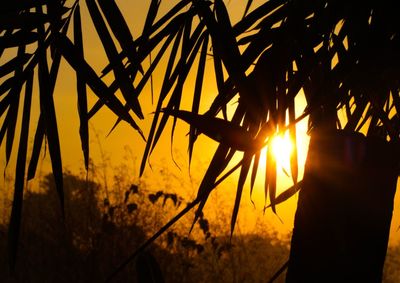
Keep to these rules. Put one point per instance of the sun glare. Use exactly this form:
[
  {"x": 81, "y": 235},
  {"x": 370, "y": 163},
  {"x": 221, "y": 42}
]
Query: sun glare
[{"x": 282, "y": 148}]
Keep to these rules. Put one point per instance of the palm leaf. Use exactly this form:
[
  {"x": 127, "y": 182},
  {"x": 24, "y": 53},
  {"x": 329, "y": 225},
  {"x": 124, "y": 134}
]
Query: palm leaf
[
  {"x": 4, "y": 104},
  {"x": 293, "y": 137},
  {"x": 151, "y": 16},
  {"x": 141, "y": 84},
  {"x": 121, "y": 31},
  {"x": 81, "y": 90},
  {"x": 166, "y": 86},
  {"x": 13, "y": 64},
  {"x": 176, "y": 97},
  {"x": 70, "y": 53},
  {"x": 50, "y": 122},
  {"x": 112, "y": 54},
  {"x": 180, "y": 74},
  {"x": 225, "y": 45},
  {"x": 256, "y": 15},
  {"x": 41, "y": 127},
  {"x": 3, "y": 129},
  {"x": 256, "y": 162},
  {"x": 7, "y": 85},
  {"x": 169, "y": 31},
  {"x": 16, "y": 211},
  {"x": 146, "y": 45},
  {"x": 37, "y": 145},
  {"x": 246, "y": 162},
  {"x": 171, "y": 14},
  {"x": 288, "y": 193},
  {"x": 270, "y": 178},
  {"x": 12, "y": 114},
  {"x": 248, "y": 5},
  {"x": 219, "y": 162},
  {"x": 222, "y": 156},
  {"x": 226, "y": 94},
  {"x": 146, "y": 76},
  {"x": 197, "y": 93},
  {"x": 220, "y": 130},
  {"x": 219, "y": 77},
  {"x": 18, "y": 38}
]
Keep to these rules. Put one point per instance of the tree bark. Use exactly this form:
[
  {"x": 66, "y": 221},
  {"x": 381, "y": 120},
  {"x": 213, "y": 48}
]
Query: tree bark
[{"x": 344, "y": 210}]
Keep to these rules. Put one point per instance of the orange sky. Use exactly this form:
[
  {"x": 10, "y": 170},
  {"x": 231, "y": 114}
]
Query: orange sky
[{"x": 125, "y": 137}]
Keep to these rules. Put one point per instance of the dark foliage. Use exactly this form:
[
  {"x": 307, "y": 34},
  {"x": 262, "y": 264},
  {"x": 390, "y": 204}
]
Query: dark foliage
[
  {"x": 344, "y": 55},
  {"x": 96, "y": 234}
]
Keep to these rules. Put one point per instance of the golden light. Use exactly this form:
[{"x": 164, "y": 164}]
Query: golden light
[{"x": 282, "y": 147}]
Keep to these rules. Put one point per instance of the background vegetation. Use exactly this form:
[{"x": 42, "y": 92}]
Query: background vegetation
[{"x": 104, "y": 225}]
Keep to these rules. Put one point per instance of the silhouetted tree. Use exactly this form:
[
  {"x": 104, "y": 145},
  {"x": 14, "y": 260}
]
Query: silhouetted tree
[{"x": 342, "y": 54}]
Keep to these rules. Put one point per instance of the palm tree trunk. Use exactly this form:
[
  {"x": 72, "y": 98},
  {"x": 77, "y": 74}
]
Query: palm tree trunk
[{"x": 344, "y": 210}]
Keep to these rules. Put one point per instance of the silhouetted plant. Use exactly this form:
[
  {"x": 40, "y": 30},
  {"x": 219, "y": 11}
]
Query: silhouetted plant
[{"x": 342, "y": 54}]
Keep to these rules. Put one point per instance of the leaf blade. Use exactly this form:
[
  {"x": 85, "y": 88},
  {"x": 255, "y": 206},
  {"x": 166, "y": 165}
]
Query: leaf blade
[
  {"x": 197, "y": 93},
  {"x": 217, "y": 129},
  {"x": 81, "y": 91},
  {"x": 121, "y": 76},
  {"x": 246, "y": 162},
  {"x": 99, "y": 88},
  {"x": 16, "y": 211}
]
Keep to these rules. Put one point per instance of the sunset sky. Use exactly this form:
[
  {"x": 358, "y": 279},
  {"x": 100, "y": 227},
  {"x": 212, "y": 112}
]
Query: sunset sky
[{"x": 125, "y": 142}]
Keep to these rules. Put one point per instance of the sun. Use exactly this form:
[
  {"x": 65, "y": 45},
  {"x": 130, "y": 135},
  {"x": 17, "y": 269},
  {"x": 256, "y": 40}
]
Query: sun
[{"x": 282, "y": 148}]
